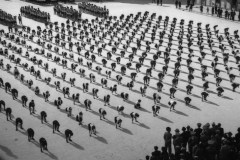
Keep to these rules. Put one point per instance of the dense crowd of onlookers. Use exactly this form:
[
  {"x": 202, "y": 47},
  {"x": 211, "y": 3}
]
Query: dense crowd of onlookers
[
  {"x": 7, "y": 18},
  {"x": 215, "y": 10},
  {"x": 207, "y": 142},
  {"x": 35, "y": 13},
  {"x": 219, "y": 12},
  {"x": 93, "y": 9}
]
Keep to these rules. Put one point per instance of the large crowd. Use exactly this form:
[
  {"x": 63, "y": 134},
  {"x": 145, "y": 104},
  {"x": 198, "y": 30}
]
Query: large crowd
[
  {"x": 35, "y": 13},
  {"x": 7, "y": 18},
  {"x": 93, "y": 9},
  {"x": 83, "y": 48},
  {"x": 204, "y": 142}
]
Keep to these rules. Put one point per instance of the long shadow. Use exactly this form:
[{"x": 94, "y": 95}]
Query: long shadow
[
  {"x": 164, "y": 105},
  {"x": 228, "y": 89},
  {"x": 125, "y": 130},
  {"x": 37, "y": 116},
  {"x": 180, "y": 113},
  {"x": 77, "y": 146},
  {"x": 194, "y": 95},
  {"x": 23, "y": 131},
  {"x": 112, "y": 107},
  {"x": 48, "y": 153},
  {"x": 84, "y": 126},
  {"x": 109, "y": 122},
  {"x": 130, "y": 102},
  {"x": 49, "y": 125},
  {"x": 126, "y": 115},
  {"x": 101, "y": 139},
  {"x": 71, "y": 143},
  {"x": 165, "y": 119},
  {"x": 8, "y": 151},
  {"x": 191, "y": 106},
  {"x": 144, "y": 110},
  {"x": 209, "y": 102},
  {"x": 51, "y": 155},
  {"x": 194, "y": 107},
  {"x": 143, "y": 125},
  {"x": 225, "y": 97},
  {"x": 94, "y": 112}
]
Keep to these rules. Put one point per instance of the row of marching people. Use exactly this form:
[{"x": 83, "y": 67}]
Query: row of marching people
[
  {"x": 172, "y": 90},
  {"x": 35, "y": 13},
  {"x": 7, "y": 18},
  {"x": 93, "y": 9},
  {"x": 67, "y": 12}
]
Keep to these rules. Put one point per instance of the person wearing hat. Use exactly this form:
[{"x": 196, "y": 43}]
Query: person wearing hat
[
  {"x": 185, "y": 137},
  {"x": 226, "y": 151},
  {"x": 211, "y": 148},
  {"x": 147, "y": 157},
  {"x": 237, "y": 139},
  {"x": 156, "y": 154},
  {"x": 192, "y": 141},
  {"x": 198, "y": 151},
  {"x": 198, "y": 130},
  {"x": 177, "y": 141},
  {"x": 221, "y": 130},
  {"x": 168, "y": 140},
  {"x": 213, "y": 128}
]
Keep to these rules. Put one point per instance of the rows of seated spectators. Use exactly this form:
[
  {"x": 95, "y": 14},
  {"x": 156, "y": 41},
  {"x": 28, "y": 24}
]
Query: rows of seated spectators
[
  {"x": 93, "y": 9},
  {"x": 207, "y": 142},
  {"x": 35, "y": 13},
  {"x": 7, "y": 18}
]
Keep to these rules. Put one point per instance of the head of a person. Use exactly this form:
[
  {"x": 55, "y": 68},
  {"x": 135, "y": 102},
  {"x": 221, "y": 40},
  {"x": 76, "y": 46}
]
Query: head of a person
[
  {"x": 219, "y": 125},
  {"x": 183, "y": 129},
  {"x": 164, "y": 149},
  {"x": 168, "y": 129},
  {"x": 147, "y": 157},
  {"x": 199, "y": 125},
  {"x": 177, "y": 131}
]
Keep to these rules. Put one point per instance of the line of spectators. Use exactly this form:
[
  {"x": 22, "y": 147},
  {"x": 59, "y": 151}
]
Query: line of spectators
[
  {"x": 215, "y": 11},
  {"x": 219, "y": 12},
  {"x": 67, "y": 12},
  {"x": 7, "y": 18},
  {"x": 93, "y": 9},
  {"x": 35, "y": 13},
  {"x": 207, "y": 142}
]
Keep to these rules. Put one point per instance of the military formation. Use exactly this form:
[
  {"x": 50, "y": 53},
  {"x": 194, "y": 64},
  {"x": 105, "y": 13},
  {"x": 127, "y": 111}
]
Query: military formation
[{"x": 141, "y": 45}]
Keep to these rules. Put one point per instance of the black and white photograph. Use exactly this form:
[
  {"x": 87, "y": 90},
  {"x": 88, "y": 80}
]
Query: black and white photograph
[{"x": 119, "y": 80}]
